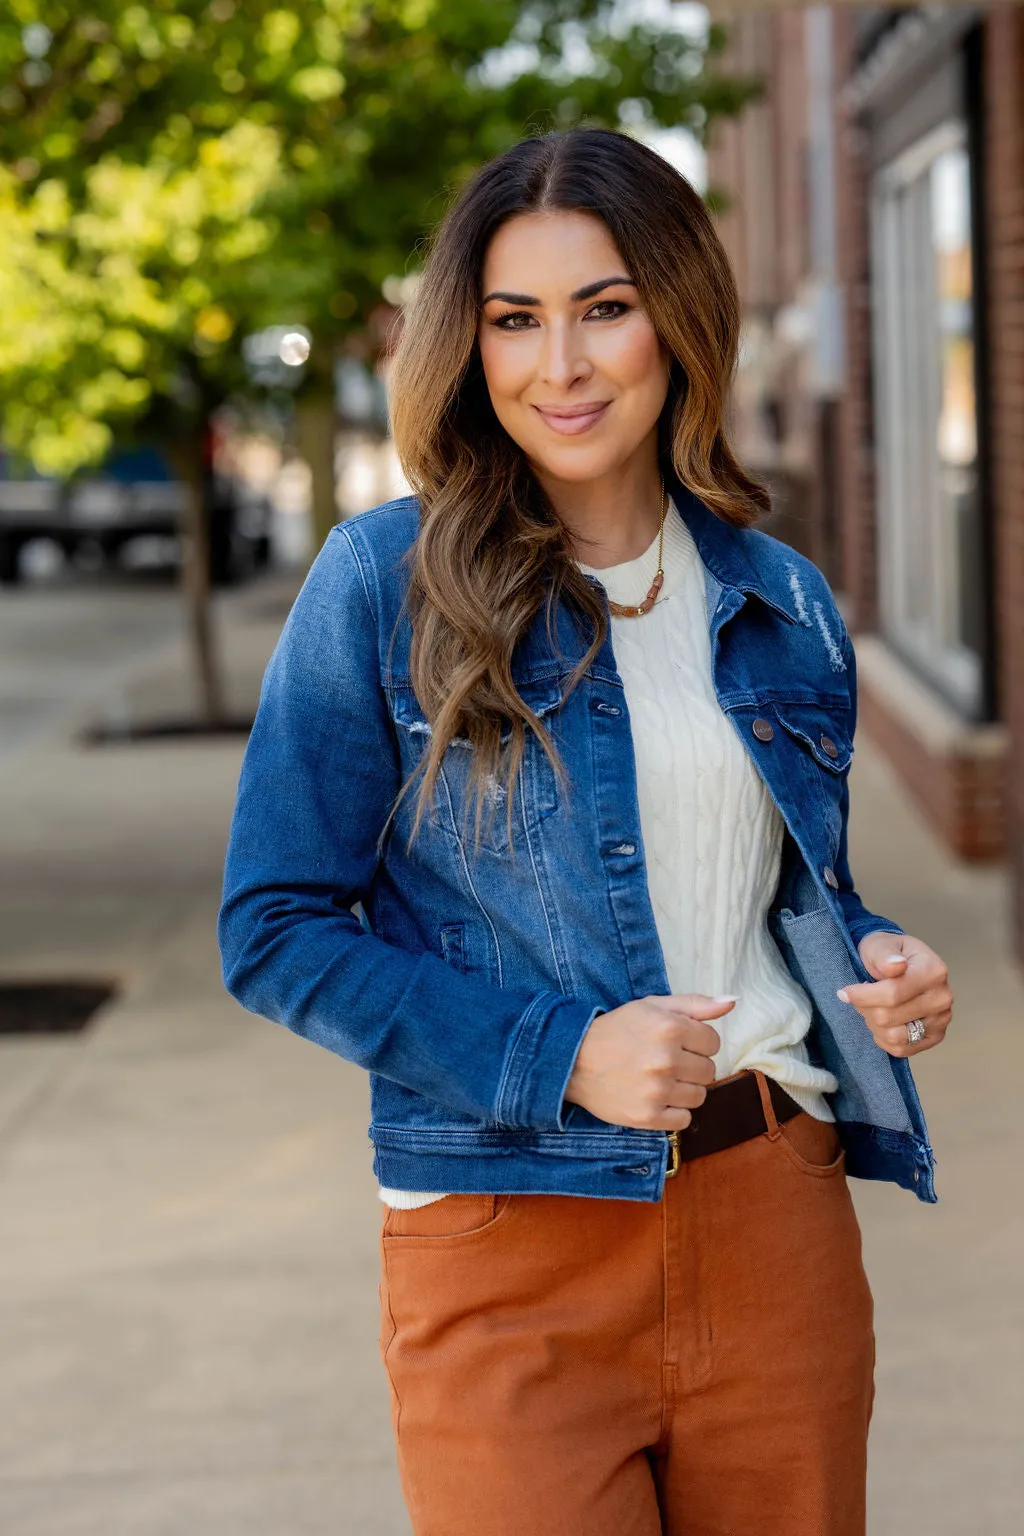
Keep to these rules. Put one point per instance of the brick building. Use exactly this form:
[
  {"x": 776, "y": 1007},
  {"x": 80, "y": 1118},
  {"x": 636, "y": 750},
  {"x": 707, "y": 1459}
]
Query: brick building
[{"x": 875, "y": 215}]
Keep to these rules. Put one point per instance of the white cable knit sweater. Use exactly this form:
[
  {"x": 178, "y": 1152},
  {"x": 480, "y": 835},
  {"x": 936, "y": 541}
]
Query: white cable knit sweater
[{"x": 711, "y": 831}]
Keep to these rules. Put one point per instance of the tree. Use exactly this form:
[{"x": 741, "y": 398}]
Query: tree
[
  {"x": 108, "y": 314},
  {"x": 430, "y": 92},
  {"x": 184, "y": 173}
]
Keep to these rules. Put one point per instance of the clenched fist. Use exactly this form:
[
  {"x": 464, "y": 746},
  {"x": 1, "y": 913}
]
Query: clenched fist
[
  {"x": 911, "y": 982},
  {"x": 648, "y": 1064}
]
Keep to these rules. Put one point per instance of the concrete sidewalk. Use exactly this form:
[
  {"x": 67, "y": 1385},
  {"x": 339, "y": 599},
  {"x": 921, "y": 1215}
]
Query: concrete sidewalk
[
  {"x": 948, "y": 1279},
  {"x": 188, "y": 1223}
]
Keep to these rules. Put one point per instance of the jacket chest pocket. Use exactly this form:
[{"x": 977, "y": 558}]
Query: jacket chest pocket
[
  {"x": 825, "y": 750},
  {"x": 452, "y": 810}
]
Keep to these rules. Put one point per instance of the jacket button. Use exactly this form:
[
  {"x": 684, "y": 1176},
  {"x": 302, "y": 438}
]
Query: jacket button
[
  {"x": 829, "y": 747},
  {"x": 763, "y": 729},
  {"x": 830, "y": 878}
]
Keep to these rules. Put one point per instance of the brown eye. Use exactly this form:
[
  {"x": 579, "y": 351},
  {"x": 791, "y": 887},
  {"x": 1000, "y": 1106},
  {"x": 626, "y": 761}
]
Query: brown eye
[
  {"x": 612, "y": 309},
  {"x": 508, "y": 321}
]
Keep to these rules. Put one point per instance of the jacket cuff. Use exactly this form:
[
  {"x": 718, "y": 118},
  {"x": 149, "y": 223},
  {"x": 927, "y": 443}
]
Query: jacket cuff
[
  {"x": 861, "y": 922},
  {"x": 541, "y": 1061}
]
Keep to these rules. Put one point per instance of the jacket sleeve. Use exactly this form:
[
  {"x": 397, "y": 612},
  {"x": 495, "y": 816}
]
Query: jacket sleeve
[
  {"x": 318, "y": 779},
  {"x": 859, "y": 920}
]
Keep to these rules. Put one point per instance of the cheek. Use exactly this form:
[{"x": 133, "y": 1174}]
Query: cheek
[
  {"x": 635, "y": 360},
  {"x": 507, "y": 370}
]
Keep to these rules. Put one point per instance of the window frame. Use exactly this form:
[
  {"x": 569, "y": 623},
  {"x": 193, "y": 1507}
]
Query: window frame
[{"x": 915, "y": 566}]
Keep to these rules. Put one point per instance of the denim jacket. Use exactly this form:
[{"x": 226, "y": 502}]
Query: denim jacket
[{"x": 465, "y": 981}]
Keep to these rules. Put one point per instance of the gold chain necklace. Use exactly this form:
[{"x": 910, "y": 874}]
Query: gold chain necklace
[{"x": 623, "y": 610}]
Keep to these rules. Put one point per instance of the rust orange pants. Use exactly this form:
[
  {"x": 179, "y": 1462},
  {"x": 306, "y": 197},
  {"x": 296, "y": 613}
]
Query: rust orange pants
[{"x": 562, "y": 1366}]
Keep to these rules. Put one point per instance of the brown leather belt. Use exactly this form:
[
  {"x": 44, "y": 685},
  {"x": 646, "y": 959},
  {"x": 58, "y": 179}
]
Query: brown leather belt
[{"x": 731, "y": 1113}]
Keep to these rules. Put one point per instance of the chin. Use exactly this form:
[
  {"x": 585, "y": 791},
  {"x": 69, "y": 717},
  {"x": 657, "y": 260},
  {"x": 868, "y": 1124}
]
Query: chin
[{"x": 575, "y": 467}]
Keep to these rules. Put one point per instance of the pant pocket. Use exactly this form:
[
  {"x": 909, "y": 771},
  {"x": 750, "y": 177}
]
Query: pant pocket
[
  {"x": 811, "y": 1145},
  {"x": 387, "y": 1321},
  {"x": 453, "y": 1216}
]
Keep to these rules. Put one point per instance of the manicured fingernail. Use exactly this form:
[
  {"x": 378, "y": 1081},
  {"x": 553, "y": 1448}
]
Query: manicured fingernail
[
  {"x": 843, "y": 995},
  {"x": 895, "y": 957},
  {"x": 726, "y": 997}
]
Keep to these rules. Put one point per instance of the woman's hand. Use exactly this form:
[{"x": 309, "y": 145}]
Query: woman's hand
[
  {"x": 911, "y": 983},
  {"x": 647, "y": 1064}
]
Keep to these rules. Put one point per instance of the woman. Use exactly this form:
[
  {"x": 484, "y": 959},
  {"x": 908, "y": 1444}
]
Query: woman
[{"x": 574, "y": 737}]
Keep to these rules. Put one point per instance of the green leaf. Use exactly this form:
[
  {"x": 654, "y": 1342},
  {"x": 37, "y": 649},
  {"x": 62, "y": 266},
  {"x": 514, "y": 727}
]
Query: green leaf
[{"x": 317, "y": 82}]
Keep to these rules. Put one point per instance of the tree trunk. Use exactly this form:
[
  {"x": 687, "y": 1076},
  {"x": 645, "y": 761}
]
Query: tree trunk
[
  {"x": 188, "y": 461},
  {"x": 316, "y": 431}
]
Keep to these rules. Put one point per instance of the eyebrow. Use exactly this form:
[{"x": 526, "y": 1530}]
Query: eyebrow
[{"x": 586, "y": 292}]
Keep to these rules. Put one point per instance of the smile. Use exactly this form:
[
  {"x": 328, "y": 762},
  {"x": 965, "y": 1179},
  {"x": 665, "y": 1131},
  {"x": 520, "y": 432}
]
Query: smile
[{"x": 571, "y": 420}]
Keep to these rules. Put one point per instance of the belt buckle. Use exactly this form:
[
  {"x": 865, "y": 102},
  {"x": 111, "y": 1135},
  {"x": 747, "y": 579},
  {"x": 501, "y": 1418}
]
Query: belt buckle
[{"x": 673, "y": 1155}]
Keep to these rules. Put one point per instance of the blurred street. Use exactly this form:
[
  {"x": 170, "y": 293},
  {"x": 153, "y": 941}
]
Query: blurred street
[
  {"x": 186, "y": 1207},
  {"x": 66, "y": 645},
  {"x": 188, "y": 1222}
]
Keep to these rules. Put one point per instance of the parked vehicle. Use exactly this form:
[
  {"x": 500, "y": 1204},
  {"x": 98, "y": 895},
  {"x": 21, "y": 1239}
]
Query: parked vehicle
[{"x": 135, "y": 493}]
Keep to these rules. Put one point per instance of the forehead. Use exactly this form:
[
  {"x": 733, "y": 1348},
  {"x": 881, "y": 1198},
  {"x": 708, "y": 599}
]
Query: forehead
[{"x": 550, "y": 254}]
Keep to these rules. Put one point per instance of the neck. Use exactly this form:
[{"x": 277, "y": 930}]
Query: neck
[{"x": 613, "y": 517}]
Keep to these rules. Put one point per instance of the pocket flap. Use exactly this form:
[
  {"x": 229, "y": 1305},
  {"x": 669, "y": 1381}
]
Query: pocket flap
[{"x": 820, "y": 731}]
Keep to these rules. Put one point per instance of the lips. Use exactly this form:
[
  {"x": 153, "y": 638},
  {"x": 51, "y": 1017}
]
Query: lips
[{"x": 570, "y": 420}]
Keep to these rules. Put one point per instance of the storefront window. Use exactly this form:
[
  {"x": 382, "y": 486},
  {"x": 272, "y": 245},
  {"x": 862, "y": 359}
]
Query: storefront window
[{"x": 930, "y": 538}]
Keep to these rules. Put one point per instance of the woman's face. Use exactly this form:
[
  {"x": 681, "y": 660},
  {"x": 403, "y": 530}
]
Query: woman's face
[{"x": 575, "y": 371}]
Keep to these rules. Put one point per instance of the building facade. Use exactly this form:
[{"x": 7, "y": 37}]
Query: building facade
[{"x": 873, "y": 205}]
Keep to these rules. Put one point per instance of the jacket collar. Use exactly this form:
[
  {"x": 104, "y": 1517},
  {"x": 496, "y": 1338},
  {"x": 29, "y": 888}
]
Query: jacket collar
[{"x": 727, "y": 551}]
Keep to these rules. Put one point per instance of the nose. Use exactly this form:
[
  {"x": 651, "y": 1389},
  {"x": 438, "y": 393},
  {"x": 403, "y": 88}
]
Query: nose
[{"x": 563, "y": 360}]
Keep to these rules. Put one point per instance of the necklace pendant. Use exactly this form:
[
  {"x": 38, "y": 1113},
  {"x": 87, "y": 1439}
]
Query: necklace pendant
[
  {"x": 620, "y": 610},
  {"x": 649, "y": 601},
  {"x": 652, "y": 594}
]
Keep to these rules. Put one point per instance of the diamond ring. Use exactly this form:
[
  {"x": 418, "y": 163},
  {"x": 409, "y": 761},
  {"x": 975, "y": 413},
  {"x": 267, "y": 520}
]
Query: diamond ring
[{"x": 915, "y": 1031}]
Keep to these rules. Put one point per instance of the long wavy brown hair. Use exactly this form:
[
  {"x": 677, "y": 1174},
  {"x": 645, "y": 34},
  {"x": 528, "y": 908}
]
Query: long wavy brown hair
[{"x": 491, "y": 550}]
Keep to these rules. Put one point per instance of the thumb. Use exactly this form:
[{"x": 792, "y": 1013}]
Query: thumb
[
  {"x": 884, "y": 966},
  {"x": 699, "y": 1005}
]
